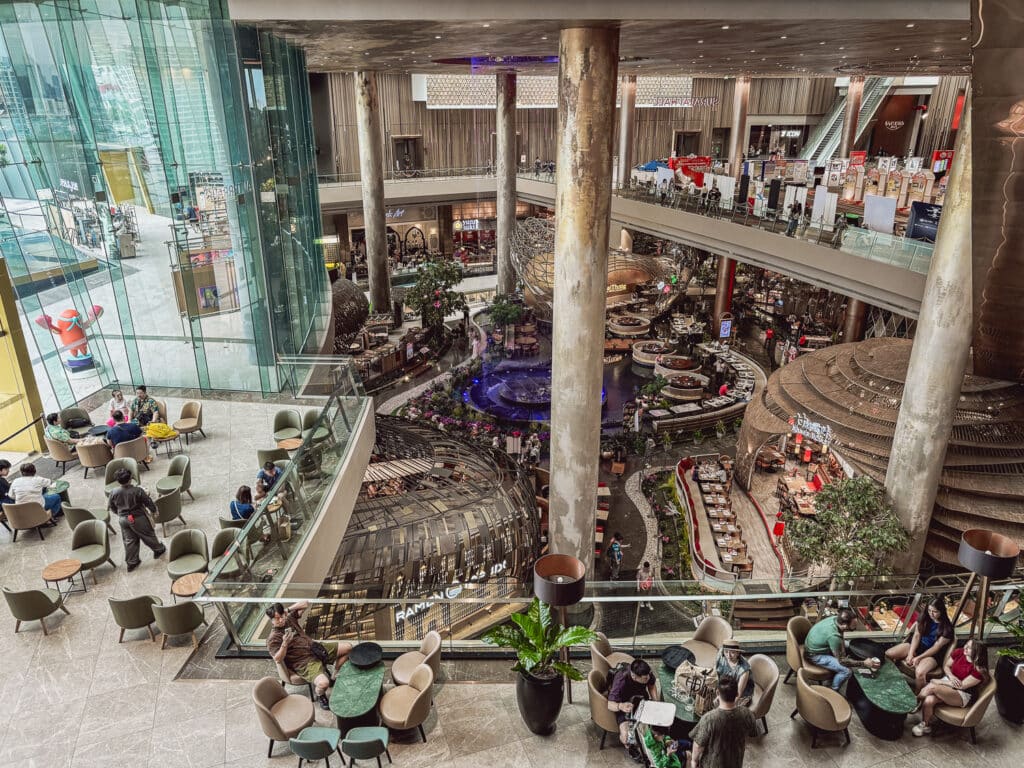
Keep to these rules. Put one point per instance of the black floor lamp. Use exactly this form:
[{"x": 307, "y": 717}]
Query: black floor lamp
[
  {"x": 991, "y": 556},
  {"x": 559, "y": 581}
]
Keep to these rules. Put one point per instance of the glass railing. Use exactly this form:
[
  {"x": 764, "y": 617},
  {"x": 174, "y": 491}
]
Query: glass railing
[
  {"x": 350, "y": 179},
  {"x": 758, "y": 611},
  {"x": 259, "y": 558}
]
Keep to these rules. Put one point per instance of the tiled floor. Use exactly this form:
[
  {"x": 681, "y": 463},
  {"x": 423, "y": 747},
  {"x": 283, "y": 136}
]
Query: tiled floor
[{"x": 77, "y": 698}]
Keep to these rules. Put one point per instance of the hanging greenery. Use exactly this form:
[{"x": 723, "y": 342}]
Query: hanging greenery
[
  {"x": 432, "y": 295},
  {"x": 854, "y": 534}
]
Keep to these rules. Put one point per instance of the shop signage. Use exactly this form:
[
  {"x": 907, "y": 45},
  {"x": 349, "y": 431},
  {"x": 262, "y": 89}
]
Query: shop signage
[
  {"x": 894, "y": 125},
  {"x": 887, "y": 164},
  {"x": 70, "y": 186},
  {"x": 471, "y": 225},
  {"x": 790, "y": 134},
  {"x": 923, "y": 223},
  {"x": 687, "y": 102},
  {"x": 858, "y": 158},
  {"x": 914, "y": 164},
  {"x": 941, "y": 160},
  {"x": 394, "y": 213},
  {"x": 449, "y": 593},
  {"x": 820, "y": 433}
]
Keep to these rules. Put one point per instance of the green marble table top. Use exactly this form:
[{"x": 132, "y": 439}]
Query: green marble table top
[
  {"x": 356, "y": 690},
  {"x": 888, "y": 689}
]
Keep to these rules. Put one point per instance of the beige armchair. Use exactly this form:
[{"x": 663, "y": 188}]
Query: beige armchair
[
  {"x": 93, "y": 456},
  {"x": 33, "y": 605},
  {"x": 190, "y": 420},
  {"x": 26, "y": 516},
  {"x": 282, "y": 715},
  {"x": 407, "y": 706},
  {"x": 603, "y": 658},
  {"x": 968, "y": 717},
  {"x": 821, "y": 708},
  {"x": 796, "y": 632},
  {"x": 765, "y": 674},
  {"x": 161, "y": 409},
  {"x": 603, "y": 718},
  {"x": 708, "y": 639},
  {"x": 137, "y": 449},
  {"x": 429, "y": 654},
  {"x": 288, "y": 677},
  {"x": 60, "y": 452}
]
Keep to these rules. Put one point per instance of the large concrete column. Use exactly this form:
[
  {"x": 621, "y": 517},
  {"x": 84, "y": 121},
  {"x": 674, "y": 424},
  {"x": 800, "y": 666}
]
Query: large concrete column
[
  {"x": 937, "y": 362},
  {"x": 723, "y": 289},
  {"x": 625, "y": 240},
  {"x": 855, "y": 319},
  {"x": 738, "y": 129},
  {"x": 505, "y": 122},
  {"x": 854, "y": 93},
  {"x": 627, "y": 129},
  {"x": 445, "y": 243},
  {"x": 371, "y": 171},
  {"x": 587, "y": 66}
]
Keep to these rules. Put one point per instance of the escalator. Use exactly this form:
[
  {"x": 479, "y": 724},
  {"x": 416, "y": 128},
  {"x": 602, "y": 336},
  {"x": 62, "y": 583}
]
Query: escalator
[{"x": 824, "y": 140}]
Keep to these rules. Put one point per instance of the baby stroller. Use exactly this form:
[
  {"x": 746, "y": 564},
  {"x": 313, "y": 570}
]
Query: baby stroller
[{"x": 645, "y": 714}]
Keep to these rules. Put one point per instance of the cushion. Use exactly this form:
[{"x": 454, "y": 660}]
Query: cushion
[
  {"x": 705, "y": 653},
  {"x": 840, "y": 706},
  {"x": 185, "y": 425},
  {"x": 288, "y": 433},
  {"x": 397, "y": 703},
  {"x": 405, "y": 665},
  {"x": 318, "y": 733},
  {"x": 293, "y": 713},
  {"x": 186, "y": 564},
  {"x": 90, "y": 554}
]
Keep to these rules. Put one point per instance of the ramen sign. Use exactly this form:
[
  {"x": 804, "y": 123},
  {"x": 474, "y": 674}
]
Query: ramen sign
[{"x": 819, "y": 433}]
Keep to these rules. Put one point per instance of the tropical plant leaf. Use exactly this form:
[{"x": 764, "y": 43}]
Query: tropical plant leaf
[
  {"x": 567, "y": 669},
  {"x": 574, "y": 636},
  {"x": 531, "y": 630}
]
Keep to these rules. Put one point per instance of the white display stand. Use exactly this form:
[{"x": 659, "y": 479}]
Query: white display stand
[
  {"x": 794, "y": 193},
  {"x": 823, "y": 214},
  {"x": 880, "y": 213}
]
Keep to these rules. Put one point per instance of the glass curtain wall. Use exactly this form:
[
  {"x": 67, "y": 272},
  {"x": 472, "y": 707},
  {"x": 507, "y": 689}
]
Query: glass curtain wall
[{"x": 129, "y": 212}]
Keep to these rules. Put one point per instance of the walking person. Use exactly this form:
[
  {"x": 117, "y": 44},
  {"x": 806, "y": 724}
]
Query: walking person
[
  {"x": 615, "y": 547},
  {"x": 644, "y": 582},
  {"x": 130, "y": 503},
  {"x": 720, "y": 737},
  {"x": 796, "y": 210}
]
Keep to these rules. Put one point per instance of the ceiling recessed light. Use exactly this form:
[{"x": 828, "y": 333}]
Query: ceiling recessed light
[
  {"x": 895, "y": 49},
  {"x": 910, "y": 25},
  {"x": 700, "y": 56},
  {"x": 437, "y": 37},
  {"x": 783, "y": 37},
  {"x": 700, "y": 42},
  {"x": 725, "y": 26},
  {"x": 486, "y": 25},
  {"x": 545, "y": 37},
  {"x": 963, "y": 38},
  {"x": 752, "y": 50},
  {"x": 821, "y": 43}
]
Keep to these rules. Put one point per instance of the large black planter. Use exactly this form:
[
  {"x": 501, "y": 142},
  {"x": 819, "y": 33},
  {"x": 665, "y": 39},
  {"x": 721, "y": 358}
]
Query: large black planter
[
  {"x": 540, "y": 701},
  {"x": 1009, "y": 690}
]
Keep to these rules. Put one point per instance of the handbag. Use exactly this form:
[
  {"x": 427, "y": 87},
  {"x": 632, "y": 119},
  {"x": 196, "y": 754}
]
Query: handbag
[{"x": 699, "y": 682}]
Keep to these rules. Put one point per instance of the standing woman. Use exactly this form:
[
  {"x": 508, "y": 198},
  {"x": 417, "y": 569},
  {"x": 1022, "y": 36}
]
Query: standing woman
[
  {"x": 928, "y": 644},
  {"x": 644, "y": 582},
  {"x": 966, "y": 671}
]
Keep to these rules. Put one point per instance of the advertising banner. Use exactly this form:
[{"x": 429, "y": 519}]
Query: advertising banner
[
  {"x": 836, "y": 174},
  {"x": 858, "y": 158},
  {"x": 887, "y": 164},
  {"x": 923, "y": 223},
  {"x": 941, "y": 160},
  {"x": 914, "y": 164},
  {"x": 880, "y": 213}
]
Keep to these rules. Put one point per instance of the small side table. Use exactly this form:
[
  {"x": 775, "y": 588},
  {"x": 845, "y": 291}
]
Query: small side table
[
  {"x": 64, "y": 570},
  {"x": 60, "y": 487},
  {"x": 291, "y": 444},
  {"x": 187, "y": 586},
  {"x": 165, "y": 441}
]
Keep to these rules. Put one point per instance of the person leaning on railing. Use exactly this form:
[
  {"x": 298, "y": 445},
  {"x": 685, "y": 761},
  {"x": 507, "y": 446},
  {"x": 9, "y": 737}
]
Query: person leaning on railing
[{"x": 825, "y": 647}]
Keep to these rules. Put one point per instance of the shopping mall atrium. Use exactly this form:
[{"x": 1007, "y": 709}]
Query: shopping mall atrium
[{"x": 351, "y": 350}]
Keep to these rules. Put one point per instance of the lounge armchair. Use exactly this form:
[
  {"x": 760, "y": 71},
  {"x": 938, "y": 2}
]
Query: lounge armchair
[
  {"x": 968, "y": 717},
  {"x": 75, "y": 515},
  {"x": 603, "y": 658},
  {"x": 821, "y": 708},
  {"x": 93, "y": 456},
  {"x": 178, "y": 619},
  {"x": 191, "y": 420},
  {"x": 90, "y": 544},
  {"x": 188, "y": 554},
  {"x": 27, "y": 516},
  {"x": 365, "y": 743},
  {"x": 796, "y": 632},
  {"x": 287, "y": 425},
  {"x": 282, "y": 716},
  {"x": 597, "y": 688},
  {"x": 429, "y": 654},
  {"x": 114, "y": 466},
  {"x": 60, "y": 453},
  {"x": 407, "y": 706},
  {"x": 168, "y": 508},
  {"x": 33, "y": 605},
  {"x": 708, "y": 639},
  {"x": 765, "y": 674},
  {"x": 178, "y": 478},
  {"x": 134, "y": 613},
  {"x": 137, "y": 449}
]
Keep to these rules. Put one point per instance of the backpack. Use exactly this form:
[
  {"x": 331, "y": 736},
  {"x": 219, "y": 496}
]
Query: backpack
[{"x": 622, "y": 666}]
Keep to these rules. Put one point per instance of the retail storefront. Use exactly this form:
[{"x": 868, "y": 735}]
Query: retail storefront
[{"x": 412, "y": 232}]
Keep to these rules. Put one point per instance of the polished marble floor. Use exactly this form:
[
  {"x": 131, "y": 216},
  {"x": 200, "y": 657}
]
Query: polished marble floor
[{"x": 77, "y": 698}]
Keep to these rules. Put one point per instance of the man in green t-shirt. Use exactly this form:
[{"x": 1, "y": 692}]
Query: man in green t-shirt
[{"x": 824, "y": 646}]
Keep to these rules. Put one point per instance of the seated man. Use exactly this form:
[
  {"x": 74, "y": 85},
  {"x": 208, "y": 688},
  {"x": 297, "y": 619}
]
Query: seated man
[
  {"x": 824, "y": 646},
  {"x": 144, "y": 408},
  {"x": 122, "y": 431},
  {"x": 32, "y": 487},
  {"x": 55, "y": 431},
  {"x": 266, "y": 478},
  {"x": 631, "y": 684},
  {"x": 289, "y": 645}
]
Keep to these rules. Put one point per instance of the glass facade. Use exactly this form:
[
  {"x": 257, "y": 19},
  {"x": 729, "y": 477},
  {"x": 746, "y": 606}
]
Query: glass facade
[{"x": 158, "y": 205}]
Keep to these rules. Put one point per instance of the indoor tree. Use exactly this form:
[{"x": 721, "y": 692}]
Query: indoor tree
[
  {"x": 503, "y": 311},
  {"x": 432, "y": 295},
  {"x": 854, "y": 534}
]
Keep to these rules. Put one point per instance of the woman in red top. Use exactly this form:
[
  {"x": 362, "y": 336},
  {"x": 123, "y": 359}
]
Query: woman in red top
[{"x": 966, "y": 669}]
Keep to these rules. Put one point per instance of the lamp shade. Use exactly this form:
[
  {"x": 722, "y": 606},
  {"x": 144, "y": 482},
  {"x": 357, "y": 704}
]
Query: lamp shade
[
  {"x": 987, "y": 553},
  {"x": 559, "y": 580}
]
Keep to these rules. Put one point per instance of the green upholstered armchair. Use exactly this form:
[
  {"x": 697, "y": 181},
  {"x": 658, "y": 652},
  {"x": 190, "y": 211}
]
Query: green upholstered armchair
[
  {"x": 178, "y": 619},
  {"x": 316, "y": 743},
  {"x": 287, "y": 425},
  {"x": 33, "y": 605},
  {"x": 234, "y": 565},
  {"x": 168, "y": 508},
  {"x": 178, "y": 477},
  {"x": 188, "y": 554},
  {"x": 113, "y": 467},
  {"x": 75, "y": 515},
  {"x": 90, "y": 543},
  {"x": 134, "y": 613},
  {"x": 364, "y": 743}
]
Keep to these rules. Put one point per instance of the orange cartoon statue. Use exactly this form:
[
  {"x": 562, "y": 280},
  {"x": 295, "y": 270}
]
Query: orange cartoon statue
[{"x": 71, "y": 327}]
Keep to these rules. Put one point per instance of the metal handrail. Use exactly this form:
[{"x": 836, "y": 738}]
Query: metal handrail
[{"x": 13, "y": 435}]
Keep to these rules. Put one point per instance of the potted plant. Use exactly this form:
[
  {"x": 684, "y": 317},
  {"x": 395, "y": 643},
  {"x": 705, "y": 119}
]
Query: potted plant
[
  {"x": 537, "y": 640},
  {"x": 698, "y": 437},
  {"x": 720, "y": 429},
  {"x": 737, "y": 425},
  {"x": 1009, "y": 686}
]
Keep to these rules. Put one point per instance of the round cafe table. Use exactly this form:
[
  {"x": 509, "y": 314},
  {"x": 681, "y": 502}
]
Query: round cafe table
[
  {"x": 60, "y": 487},
  {"x": 187, "y": 586},
  {"x": 291, "y": 444},
  {"x": 64, "y": 570}
]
